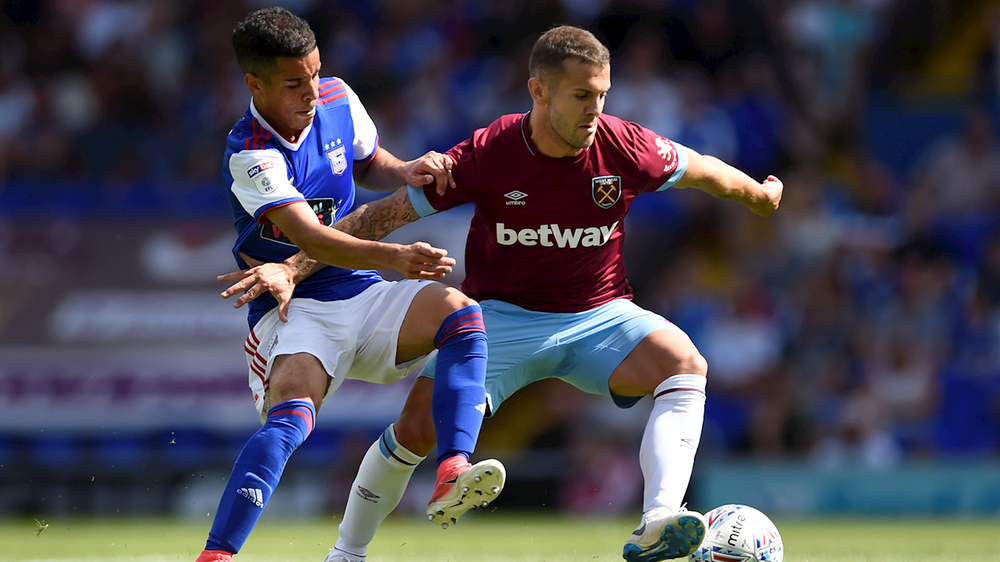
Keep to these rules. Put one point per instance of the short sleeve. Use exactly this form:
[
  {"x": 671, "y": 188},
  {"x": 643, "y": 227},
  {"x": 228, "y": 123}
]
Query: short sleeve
[
  {"x": 419, "y": 201},
  {"x": 674, "y": 158},
  {"x": 465, "y": 157},
  {"x": 365, "y": 132},
  {"x": 260, "y": 181}
]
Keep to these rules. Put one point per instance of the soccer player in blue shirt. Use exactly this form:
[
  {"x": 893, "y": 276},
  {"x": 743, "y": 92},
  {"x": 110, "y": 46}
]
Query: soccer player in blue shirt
[{"x": 290, "y": 165}]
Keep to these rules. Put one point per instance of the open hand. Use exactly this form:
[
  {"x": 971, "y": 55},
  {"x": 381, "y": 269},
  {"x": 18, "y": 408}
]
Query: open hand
[
  {"x": 420, "y": 260},
  {"x": 275, "y": 278}
]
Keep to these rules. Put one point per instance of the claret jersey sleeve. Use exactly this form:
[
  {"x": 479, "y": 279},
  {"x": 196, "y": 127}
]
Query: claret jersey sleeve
[
  {"x": 467, "y": 157},
  {"x": 658, "y": 161}
]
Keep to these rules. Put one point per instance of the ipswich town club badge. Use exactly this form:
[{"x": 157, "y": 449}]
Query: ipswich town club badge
[
  {"x": 606, "y": 190},
  {"x": 338, "y": 161}
]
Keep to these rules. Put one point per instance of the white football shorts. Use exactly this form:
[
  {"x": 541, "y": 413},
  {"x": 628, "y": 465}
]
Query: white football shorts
[{"x": 353, "y": 338}]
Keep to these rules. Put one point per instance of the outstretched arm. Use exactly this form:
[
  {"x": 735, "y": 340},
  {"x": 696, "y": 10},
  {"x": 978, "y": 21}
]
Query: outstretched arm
[
  {"x": 368, "y": 222},
  {"x": 375, "y": 220},
  {"x": 717, "y": 178},
  {"x": 371, "y": 221}
]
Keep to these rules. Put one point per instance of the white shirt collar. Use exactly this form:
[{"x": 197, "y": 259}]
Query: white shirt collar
[{"x": 289, "y": 145}]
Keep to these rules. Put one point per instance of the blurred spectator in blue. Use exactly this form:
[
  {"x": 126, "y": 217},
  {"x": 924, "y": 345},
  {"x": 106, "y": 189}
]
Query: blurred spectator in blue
[
  {"x": 643, "y": 90},
  {"x": 751, "y": 96},
  {"x": 716, "y": 32},
  {"x": 704, "y": 126},
  {"x": 962, "y": 172},
  {"x": 835, "y": 34},
  {"x": 902, "y": 374},
  {"x": 861, "y": 437}
]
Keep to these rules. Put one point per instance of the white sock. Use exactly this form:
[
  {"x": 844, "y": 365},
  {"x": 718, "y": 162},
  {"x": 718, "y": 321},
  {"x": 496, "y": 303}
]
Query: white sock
[
  {"x": 671, "y": 439},
  {"x": 377, "y": 489}
]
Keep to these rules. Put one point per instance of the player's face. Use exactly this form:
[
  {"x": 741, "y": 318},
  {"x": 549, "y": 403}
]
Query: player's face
[
  {"x": 287, "y": 98},
  {"x": 577, "y": 101}
]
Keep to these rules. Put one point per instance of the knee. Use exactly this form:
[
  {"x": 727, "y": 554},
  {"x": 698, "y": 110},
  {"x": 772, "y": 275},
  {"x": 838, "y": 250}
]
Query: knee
[
  {"x": 415, "y": 431},
  {"x": 693, "y": 363},
  {"x": 458, "y": 300},
  {"x": 298, "y": 376}
]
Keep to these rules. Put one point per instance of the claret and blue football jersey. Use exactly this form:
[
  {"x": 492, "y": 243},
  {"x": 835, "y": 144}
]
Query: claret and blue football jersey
[
  {"x": 549, "y": 233},
  {"x": 264, "y": 171}
]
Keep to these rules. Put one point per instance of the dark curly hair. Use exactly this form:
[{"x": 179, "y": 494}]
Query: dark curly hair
[{"x": 269, "y": 33}]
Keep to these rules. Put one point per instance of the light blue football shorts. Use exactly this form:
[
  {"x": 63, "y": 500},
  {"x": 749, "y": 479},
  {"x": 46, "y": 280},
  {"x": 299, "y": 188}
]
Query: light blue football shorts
[{"x": 581, "y": 348}]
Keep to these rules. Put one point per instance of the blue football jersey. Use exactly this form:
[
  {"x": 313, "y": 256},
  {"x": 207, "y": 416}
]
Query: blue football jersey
[{"x": 264, "y": 171}]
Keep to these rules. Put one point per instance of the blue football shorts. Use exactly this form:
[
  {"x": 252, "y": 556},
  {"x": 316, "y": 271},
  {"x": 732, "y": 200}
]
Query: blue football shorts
[{"x": 581, "y": 348}]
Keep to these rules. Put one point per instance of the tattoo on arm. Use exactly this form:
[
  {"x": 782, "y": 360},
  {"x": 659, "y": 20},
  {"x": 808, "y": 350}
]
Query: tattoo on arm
[
  {"x": 373, "y": 221},
  {"x": 377, "y": 219},
  {"x": 303, "y": 266}
]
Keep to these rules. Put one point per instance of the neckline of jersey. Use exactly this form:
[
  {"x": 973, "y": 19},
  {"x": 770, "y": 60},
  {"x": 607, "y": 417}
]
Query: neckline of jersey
[
  {"x": 293, "y": 146},
  {"x": 534, "y": 151}
]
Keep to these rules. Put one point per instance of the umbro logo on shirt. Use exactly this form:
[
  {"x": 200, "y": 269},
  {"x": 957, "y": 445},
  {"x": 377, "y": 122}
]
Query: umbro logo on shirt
[{"x": 515, "y": 197}]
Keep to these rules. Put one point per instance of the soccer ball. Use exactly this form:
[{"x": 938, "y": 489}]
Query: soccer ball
[{"x": 739, "y": 533}]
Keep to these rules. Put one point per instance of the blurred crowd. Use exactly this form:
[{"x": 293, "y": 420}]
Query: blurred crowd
[{"x": 858, "y": 324}]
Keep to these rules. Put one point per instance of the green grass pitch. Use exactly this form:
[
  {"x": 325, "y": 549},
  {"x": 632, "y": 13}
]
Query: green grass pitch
[{"x": 486, "y": 538}]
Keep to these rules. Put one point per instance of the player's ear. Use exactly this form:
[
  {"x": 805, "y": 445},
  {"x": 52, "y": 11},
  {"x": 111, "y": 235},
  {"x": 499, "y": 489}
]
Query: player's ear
[
  {"x": 539, "y": 91},
  {"x": 254, "y": 83}
]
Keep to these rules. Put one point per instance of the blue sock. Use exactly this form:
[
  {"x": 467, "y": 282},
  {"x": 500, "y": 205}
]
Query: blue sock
[
  {"x": 257, "y": 471},
  {"x": 459, "y": 397}
]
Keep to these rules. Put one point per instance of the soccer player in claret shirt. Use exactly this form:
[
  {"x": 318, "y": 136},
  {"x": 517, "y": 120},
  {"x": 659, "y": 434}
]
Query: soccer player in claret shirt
[
  {"x": 551, "y": 189},
  {"x": 290, "y": 165}
]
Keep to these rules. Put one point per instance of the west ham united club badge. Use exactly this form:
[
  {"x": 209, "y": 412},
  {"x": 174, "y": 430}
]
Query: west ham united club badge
[
  {"x": 668, "y": 152},
  {"x": 606, "y": 190},
  {"x": 337, "y": 160}
]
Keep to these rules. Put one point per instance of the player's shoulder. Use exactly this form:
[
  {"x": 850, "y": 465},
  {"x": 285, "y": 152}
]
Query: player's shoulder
[
  {"x": 617, "y": 126},
  {"x": 250, "y": 134},
  {"x": 626, "y": 136},
  {"x": 511, "y": 121},
  {"x": 500, "y": 132},
  {"x": 332, "y": 91},
  {"x": 493, "y": 142}
]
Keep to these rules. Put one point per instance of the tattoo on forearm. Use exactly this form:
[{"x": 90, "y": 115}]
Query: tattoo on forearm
[
  {"x": 373, "y": 221},
  {"x": 376, "y": 220},
  {"x": 303, "y": 266}
]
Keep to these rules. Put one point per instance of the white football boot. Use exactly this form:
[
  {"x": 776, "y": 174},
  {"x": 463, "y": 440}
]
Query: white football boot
[
  {"x": 665, "y": 535},
  {"x": 337, "y": 555}
]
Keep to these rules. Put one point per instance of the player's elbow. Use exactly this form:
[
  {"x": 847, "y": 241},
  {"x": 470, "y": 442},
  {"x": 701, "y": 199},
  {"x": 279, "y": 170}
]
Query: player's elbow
[{"x": 765, "y": 209}]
